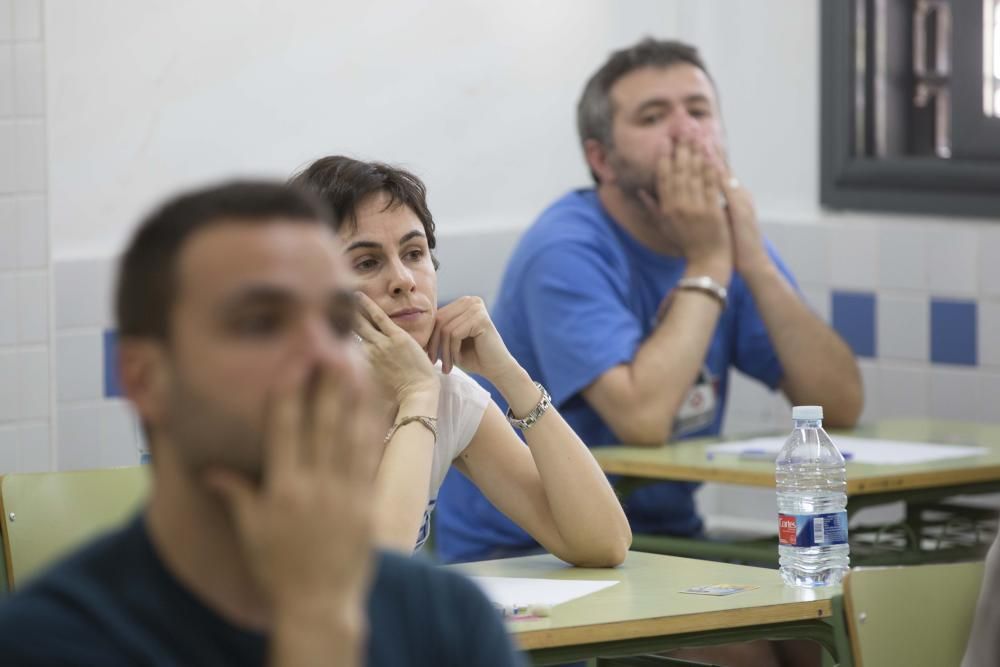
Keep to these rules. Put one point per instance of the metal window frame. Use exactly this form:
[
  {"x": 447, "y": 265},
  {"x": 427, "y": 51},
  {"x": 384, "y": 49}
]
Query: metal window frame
[{"x": 904, "y": 185}]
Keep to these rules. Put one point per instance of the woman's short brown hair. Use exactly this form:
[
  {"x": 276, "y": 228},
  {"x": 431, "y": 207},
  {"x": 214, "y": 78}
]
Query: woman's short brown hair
[{"x": 344, "y": 183}]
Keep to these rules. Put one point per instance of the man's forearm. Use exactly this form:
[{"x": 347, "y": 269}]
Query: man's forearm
[
  {"x": 668, "y": 362},
  {"x": 639, "y": 400},
  {"x": 819, "y": 367}
]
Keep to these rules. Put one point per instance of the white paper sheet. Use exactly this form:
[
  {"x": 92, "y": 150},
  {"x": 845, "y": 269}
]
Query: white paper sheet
[
  {"x": 858, "y": 450},
  {"x": 512, "y": 591}
]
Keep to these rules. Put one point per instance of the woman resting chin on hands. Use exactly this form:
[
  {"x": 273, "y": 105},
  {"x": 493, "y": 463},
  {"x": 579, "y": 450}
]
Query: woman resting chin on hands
[{"x": 436, "y": 416}]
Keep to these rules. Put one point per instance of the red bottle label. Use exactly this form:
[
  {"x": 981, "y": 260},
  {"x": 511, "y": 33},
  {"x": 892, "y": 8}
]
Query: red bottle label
[{"x": 787, "y": 529}]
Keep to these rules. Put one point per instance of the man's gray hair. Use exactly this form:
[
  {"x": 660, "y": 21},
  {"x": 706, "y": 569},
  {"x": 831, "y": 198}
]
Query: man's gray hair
[{"x": 594, "y": 112}]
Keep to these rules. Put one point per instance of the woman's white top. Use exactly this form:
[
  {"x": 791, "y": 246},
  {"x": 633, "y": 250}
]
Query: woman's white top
[{"x": 461, "y": 407}]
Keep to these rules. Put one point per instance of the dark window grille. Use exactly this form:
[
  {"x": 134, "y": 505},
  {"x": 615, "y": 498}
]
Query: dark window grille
[{"x": 910, "y": 106}]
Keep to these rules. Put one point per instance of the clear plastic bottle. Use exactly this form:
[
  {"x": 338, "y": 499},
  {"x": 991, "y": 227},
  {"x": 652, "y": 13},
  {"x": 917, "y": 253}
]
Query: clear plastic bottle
[{"x": 812, "y": 504}]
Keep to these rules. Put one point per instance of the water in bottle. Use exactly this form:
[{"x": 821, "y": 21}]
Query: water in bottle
[{"x": 812, "y": 504}]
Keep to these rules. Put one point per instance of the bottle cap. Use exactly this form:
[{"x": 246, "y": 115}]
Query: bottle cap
[{"x": 809, "y": 412}]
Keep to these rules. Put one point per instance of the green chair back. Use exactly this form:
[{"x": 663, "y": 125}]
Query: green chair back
[
  {"x": 46, "y": 515},
  {"x": 917, "y": 615}
]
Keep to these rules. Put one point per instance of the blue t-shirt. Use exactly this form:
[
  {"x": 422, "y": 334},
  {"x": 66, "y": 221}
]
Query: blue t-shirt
[
  {"x": 579, "y": 296},
  {"x": 114, "y": 603}
]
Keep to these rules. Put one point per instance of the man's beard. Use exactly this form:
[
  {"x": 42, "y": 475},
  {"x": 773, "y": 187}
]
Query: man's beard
[
  {"x": 206, "y": 436},
  {"x": 633, "y": 179}
]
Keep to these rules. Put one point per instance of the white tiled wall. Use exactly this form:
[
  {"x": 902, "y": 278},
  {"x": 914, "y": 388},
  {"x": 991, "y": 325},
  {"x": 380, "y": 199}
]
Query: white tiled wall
[
  {"x": 903, "y": 327},
  {"x": 7, "y": 76},
  {"x": 954, "y": 253},
  {"x": 854, "y": 257},
  {"x": 902, "y": 251},
  {"x": 25, "y": 331},
  {"x": 901, "y": 391},
  {"x": 989, "y": 262},
  {"x": 27, "y": 18},
  {"x": 32, "y": 232},
  {"x": 79, "y": 374},
  {"x": 94, "y": 431}
]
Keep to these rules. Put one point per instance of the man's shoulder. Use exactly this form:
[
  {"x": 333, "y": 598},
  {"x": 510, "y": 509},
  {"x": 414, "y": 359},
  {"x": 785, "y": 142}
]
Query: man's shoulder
[
  {"x": 414, "y": 578},
  {"x": 457, "y": 624},
  {"x": 576, "y": 215},
  {"x": 581, "y": 201},
  {"x": 574, "y": 226},
  {"x": 106, "y": 559},
  {"x": 61, "y": 611}
]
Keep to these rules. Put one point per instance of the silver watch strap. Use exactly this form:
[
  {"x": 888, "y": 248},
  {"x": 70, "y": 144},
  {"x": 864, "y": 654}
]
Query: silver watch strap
[
  {"x": 705, "y": 284},
  {"x": 544, "y": 403}
]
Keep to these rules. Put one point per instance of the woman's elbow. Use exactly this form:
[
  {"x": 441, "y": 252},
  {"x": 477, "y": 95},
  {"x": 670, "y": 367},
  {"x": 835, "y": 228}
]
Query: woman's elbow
[
  {"x": 608, "y": 552},
  {"x": 610, "y": 556},
  {"x": 619, "y": 549}
]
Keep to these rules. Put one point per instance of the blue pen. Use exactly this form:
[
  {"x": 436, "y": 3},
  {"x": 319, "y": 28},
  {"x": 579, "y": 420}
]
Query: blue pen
[
  {"x": 757, "y": 455},
  {"x": 523, "y": 610},
  {"x": 764, "y": 455}
]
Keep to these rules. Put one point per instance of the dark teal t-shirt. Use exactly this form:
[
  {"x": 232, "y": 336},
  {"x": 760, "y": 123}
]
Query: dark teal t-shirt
[
  {"x": 578, "y": 297},
  {"x": 114, "y": 603}
]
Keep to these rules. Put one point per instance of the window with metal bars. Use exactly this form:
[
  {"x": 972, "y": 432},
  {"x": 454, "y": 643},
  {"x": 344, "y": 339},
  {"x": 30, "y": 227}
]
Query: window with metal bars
[{"x": 910, "y": 106}]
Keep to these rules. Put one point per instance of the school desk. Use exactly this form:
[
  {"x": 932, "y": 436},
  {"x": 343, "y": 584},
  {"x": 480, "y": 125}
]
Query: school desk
[
  {"x": 646, "y": 612},
  {"x": 934, "y": 530}
]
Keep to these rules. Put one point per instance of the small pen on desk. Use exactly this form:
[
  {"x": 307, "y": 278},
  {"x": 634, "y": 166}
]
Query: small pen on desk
[
  {"x": 765, "y": 455},
  {"x": 523, "y": 610},
  {"x": 757, "y": 455}
]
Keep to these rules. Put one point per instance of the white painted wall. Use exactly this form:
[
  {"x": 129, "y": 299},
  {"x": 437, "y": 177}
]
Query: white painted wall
[
  {"x": 764, "y": 56},
  {"x": 476, "y": 96}
]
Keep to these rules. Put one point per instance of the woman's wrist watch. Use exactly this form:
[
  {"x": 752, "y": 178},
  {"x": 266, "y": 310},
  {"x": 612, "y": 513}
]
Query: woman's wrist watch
[{"x": 544, "y": 403}]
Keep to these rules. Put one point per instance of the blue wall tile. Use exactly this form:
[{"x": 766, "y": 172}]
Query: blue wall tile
[
  {"x": 853, "y": 315},
  {"x": 953, "y": 332},
  {"x": 111, "y": 387}
]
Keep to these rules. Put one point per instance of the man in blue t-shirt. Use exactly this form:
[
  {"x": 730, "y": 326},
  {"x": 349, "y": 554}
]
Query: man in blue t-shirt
[
  {"x": 236, "y": 314},
  {"x": 630, "y": 301}
]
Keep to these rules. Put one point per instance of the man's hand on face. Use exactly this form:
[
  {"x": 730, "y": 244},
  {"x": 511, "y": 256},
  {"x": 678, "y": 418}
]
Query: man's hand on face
[
  {"x": 689, "y": 196},
  {"x": 306, "y": 529},
  {"x": 749, "y": 253}
]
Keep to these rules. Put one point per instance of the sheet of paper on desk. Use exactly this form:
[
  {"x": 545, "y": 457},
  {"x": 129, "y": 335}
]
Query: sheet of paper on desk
[
  {"x": 513, "y": 591},
  {"x": 862, "y": 450}
]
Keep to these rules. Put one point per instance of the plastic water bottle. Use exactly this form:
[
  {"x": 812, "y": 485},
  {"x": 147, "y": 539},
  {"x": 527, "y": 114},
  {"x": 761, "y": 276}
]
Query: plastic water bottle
[{"x": 812, "y": 504}]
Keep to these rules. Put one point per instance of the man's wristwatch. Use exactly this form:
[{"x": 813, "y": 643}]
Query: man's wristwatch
[{"x": 707, "y": 285}]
